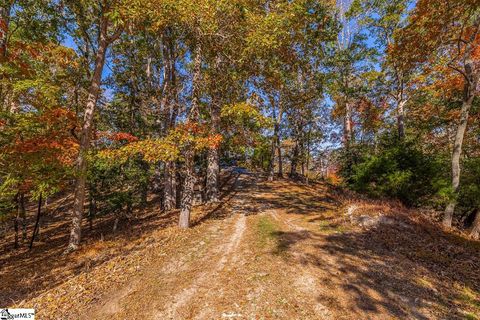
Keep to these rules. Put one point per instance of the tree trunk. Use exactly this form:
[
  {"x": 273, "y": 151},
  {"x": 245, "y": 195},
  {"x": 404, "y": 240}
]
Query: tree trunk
[
  {"x": 400, "y": 118},
  {"x": 93, "y": 93},
  {"x": 275, "y": 143},
  {"x": 170, "y": 172},
  {"x": 294, "y": 162},
  {"x": 189, "y": 153},
  {"x": 271, "y": 168},
  {"x": 15, "y": 227},
  {"x": 188, "y": 190},
  {"x": 115, "y": 224},
  {"x": 92, "y": 209},
  {"x": 475, "y": 232},
  {"x": 271, "y": 164},
  {"x": 280, "y": 162},
  {"x": 277, "y": 136},
  {"x": 213, "y": 166},
  {"x": 23, "y": 216},
  {"x": 213, "y": 170},
  {"x": 348, "y": 128},
  {"x": 35, "y": 228},
  {"x": 457, "y": 149},
  {"x": 307, "y": 173},
  {"x": 170, "y": 186}
]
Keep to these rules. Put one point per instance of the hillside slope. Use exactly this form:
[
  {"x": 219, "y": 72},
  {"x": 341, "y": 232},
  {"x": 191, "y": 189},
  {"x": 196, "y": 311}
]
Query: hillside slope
[{"x": 277, "y": 250}]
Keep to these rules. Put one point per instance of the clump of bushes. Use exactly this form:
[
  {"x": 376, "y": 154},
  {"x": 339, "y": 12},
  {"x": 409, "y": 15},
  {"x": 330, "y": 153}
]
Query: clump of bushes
[{"x": 396, "y": 169}]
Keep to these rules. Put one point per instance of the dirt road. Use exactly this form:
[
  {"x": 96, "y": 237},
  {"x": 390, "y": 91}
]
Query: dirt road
[{"x": 280, "y": 250}]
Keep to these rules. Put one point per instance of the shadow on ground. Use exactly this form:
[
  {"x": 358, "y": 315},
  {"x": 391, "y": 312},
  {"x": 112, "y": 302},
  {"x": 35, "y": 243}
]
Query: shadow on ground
[
  {"x": 412, "y": 270},
  {"x": 26, "y": 273}
]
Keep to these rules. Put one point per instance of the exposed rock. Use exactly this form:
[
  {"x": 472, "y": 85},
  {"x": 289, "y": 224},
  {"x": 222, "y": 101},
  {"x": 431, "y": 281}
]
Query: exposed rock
[{"x": 367, "y": 221}]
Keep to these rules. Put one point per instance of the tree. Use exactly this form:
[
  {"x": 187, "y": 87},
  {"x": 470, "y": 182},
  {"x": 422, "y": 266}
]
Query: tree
[
  {"x": 104, "y": 20},
  {"x": 37, "y": 147},
  {"x": 448, "y": 33},
  {"x": 289, "y": 33},
  {"x": 382, "y": 19}
]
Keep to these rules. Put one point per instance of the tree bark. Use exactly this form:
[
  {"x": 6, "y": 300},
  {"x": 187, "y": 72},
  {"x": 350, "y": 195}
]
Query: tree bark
[
  {"x": 294, "y": 162},
  {"x": 271, "y": 164},
  {"x": 189, "y": 153},
  {"x": 170, "y": 186},
  {"x": 213, "y": 166},
  {"x": 93, "y": 93},
  {"x": 348, "y": 126},
  {"x": 457, "y": 149},
  {"x": 170, "y": 174},
  {"x": 401, "y": 118},
  {"x": 35, "y": 228},
  {"x": 280, "y": 161},
  {"x": 188, "y": 190},
  {"x": 277, "y": 136},
  {"x": 213, "y": 171},
  {"x": 275, "y": 143},
  {"x": 15, "y": 221},
  {"x": 307, "y": 173},
  {"x": 475, "y": 232},
  {"x": 23, "y": 215}
]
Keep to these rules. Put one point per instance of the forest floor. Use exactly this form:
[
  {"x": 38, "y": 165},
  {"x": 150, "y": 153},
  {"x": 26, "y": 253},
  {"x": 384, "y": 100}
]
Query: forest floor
[{"x": 268, "y": 250}]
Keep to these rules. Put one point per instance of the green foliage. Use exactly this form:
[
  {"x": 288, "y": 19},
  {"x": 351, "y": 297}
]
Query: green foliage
[
  {"x": 117, "y": 187},
  {"x": 469, "y": 195},
  {"x": 261, "y": 154},
  {"x": 398, "y": 169}
]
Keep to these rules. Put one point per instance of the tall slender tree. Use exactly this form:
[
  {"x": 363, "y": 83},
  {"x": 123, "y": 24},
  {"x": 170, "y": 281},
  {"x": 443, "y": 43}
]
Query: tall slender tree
[{"x": 101, "y": 15}]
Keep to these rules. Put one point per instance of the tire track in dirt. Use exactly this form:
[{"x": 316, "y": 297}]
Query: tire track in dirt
[
  {"x": 305, "y": 282},
  {"x": 202, "y": 281},
  {"x": 161, "y": 284},
  {"x": 228, "y": 256},
  {"x": 113, "y": 305}
]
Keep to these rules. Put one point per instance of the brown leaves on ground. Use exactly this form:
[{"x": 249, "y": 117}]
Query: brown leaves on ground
[{"x": 269, "y": 250}]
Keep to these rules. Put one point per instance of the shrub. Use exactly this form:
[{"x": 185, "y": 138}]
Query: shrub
[{"x": 398, "y": 169}]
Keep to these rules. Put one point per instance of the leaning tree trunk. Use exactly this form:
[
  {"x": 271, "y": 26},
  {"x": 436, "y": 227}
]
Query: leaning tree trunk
[
  {"x": 475, "y": 232},
  {"x": 37, "y": 221},
  {"x": 93, "y": 93},
  {"x": 189, "y": 153},
  {"x": 457, "y": 150}
]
